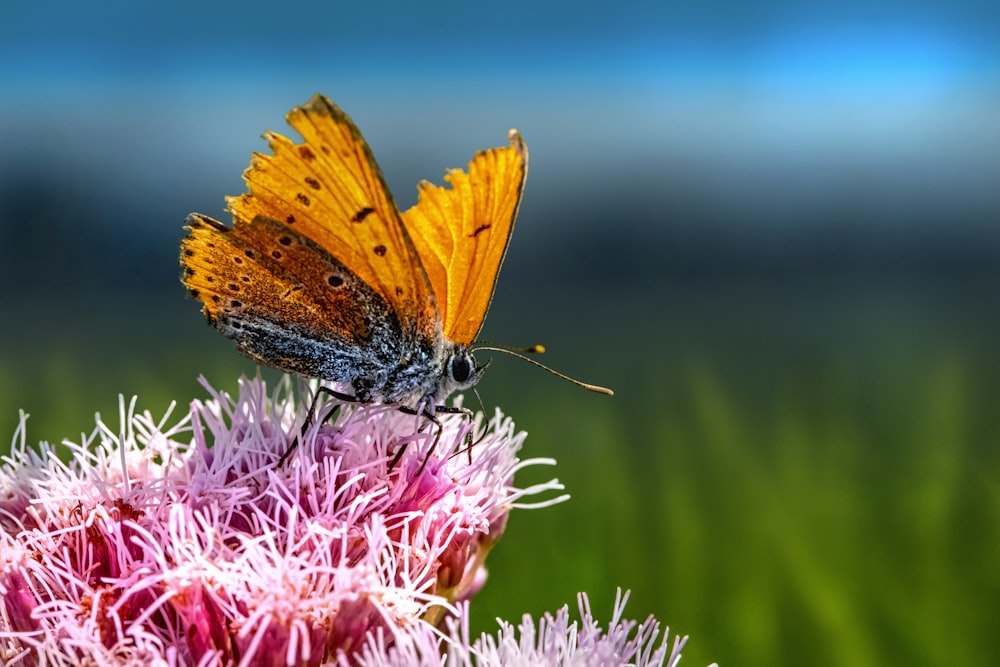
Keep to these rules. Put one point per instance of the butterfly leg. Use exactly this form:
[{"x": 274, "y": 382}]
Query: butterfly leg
[
  {"x": 469, "y": 444},
  {"x": 311, "y": 415},
  {"x": 431, "y": 417}
]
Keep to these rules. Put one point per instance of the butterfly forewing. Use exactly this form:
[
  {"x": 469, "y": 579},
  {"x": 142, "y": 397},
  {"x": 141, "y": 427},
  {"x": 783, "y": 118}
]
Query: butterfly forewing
[
  {"x": 461, "y": 233},
  {"x": 330, "y": 189}
]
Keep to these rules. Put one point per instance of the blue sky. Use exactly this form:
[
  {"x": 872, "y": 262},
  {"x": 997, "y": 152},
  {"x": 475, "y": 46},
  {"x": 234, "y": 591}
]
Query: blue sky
[
  {"x": 514, "y": 40},
  {"x": 776, "y": 122}
]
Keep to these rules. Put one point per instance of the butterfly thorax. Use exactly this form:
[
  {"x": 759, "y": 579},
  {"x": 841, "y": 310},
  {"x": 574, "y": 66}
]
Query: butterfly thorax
[{"x": 426, "y": 377}]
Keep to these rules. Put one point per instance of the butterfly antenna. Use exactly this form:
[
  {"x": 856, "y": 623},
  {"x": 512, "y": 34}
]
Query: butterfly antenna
[
  {"x": 521, "y": 353},
  {"x": 490, "y": 345}
]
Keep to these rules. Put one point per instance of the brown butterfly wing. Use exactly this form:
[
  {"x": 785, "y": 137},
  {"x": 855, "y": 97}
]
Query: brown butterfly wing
[
  {"x": 330, "y": 189},
  {"x": 461, "y": 233},
  {"x": 287, "y": 302}
]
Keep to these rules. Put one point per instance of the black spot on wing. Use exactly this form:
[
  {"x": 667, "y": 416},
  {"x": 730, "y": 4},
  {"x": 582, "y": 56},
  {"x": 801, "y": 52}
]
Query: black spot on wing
[{"x": 362, "y": 214}]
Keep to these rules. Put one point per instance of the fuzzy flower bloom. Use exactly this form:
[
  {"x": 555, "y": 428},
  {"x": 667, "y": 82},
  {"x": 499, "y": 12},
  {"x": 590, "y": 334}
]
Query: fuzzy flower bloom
[
  {"x": 555, "y": 641},
  {"x": 189, "y": 544}
]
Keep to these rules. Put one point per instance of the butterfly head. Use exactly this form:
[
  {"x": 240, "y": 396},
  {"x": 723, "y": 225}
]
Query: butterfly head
[{"x": 460, "y": 371}]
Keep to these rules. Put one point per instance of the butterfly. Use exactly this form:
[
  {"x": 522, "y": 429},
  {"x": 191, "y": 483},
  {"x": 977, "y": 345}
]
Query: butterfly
[{"x": 321, "y": 275}]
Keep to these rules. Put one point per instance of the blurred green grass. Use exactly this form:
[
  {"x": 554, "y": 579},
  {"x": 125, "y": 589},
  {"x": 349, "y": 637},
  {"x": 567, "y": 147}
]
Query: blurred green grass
[{"x": 791, "y": 476}]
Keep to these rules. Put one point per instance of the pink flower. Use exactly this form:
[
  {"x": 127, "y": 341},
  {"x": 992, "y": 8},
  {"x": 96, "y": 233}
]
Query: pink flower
[
  {"x": 554, "y": 641},
  {"x": 188, "y": 544},
  {"x": 202, "y": 550}
]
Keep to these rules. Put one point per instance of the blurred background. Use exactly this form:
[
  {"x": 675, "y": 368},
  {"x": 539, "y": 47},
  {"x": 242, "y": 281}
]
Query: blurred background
[{"x": 773, "y": 228}]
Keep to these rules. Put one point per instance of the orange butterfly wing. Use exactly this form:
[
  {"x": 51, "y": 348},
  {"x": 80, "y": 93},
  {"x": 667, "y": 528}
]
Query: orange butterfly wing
[
  {"x": 461, "y": 233},
  {"x": 330, "y": 189}
]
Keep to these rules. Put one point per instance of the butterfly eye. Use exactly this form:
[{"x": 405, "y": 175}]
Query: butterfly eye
[{"x": 461, "y": 368}]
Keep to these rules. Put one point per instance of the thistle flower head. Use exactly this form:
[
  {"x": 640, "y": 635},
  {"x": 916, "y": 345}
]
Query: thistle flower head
[{"x": 189, "y": 545}]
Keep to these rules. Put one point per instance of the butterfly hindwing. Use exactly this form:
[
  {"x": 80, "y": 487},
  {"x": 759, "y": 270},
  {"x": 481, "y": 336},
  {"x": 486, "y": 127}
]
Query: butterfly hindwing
[{"x": 287, "y": 302}]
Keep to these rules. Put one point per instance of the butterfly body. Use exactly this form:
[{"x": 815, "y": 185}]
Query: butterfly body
[{"x": 321, "y": 275}]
